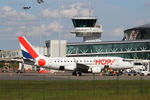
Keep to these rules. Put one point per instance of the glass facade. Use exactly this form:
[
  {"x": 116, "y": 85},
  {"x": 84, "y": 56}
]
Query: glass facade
[
  {"x": 137, "y": 34},
  {"x": 125, "y": 49},
  {"x": 84, "y": 22}
]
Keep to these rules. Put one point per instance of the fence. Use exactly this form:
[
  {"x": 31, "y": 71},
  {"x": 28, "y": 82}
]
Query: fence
[{"x": 33, "y": 86}]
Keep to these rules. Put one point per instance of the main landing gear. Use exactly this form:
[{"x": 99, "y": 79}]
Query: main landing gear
[{"x": 77, "y": 73}]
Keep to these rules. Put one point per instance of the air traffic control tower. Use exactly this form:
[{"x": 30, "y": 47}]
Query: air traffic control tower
[{"x": 86, "y": 27}]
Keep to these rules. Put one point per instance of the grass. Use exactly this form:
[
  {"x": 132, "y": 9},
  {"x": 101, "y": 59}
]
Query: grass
[{"x": 75, "y": 90}]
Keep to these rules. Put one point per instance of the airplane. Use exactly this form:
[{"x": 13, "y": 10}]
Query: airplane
[{"x": 77, "y": 65}]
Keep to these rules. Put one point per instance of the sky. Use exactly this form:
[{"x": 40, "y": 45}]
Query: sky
[{"x": 47, "y": 20}]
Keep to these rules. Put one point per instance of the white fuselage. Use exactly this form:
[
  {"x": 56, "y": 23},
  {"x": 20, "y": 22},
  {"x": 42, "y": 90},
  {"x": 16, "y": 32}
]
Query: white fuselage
[
  {"x": 70, "y": 63},
  {"x": 75, "y": 64}
]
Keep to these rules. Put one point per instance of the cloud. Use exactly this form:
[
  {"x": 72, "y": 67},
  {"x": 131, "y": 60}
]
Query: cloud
[
  {"x": 15, "y": 23},
  {"x": 43, "y": 29},
  {"x": 147, "y": 4},
  {"x": 10, "y": 13},
  {"x": 52, "y": 14},
  {"x": 8, "y": 29},
  {"x": 114, "y": 34},
  {"x": 69, "y": 36},
  {"x": 78, "y": 9},
  {"x": 117, "y": 32},
  {"x": 142, "y": 22},
  {"x": 34, "y": 31},
  {"x": 54, "y": 27},
  {"x": 38, "y": 30}
]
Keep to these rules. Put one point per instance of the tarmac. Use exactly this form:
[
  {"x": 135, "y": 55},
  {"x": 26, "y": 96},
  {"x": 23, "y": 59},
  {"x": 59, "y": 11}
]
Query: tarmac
[{"x": 65, "y": 76}]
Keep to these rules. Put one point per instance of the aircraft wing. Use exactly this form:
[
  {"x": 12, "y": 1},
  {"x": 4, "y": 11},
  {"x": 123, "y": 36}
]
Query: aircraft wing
[
  {"x": 87, "y": 69},
  {"x": 82, "y": 68}
]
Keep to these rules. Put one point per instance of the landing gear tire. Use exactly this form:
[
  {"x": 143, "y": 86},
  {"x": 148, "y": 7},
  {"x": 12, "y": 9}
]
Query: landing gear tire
[
  {"x": 142, "y": 74},
  {"x": 77, "y": 73},
  {"x": 134, "y": 74},
  {"x": 74, "y": 73}
]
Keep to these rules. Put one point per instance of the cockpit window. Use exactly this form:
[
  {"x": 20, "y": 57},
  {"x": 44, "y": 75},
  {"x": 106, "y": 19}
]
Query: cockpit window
[{"x": 124, "y": 60}]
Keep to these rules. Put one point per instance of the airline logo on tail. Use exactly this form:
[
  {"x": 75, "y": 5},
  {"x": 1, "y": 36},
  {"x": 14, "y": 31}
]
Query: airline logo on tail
[
  {"x": 29, "y": 52},
  {"x": 27, "y": 49}
]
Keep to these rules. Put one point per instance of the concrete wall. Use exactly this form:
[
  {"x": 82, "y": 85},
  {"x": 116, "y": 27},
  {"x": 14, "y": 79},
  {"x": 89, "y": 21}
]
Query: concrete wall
[
  {"x": 41, "y": 49},
  {"x": 56, "y": 50}
]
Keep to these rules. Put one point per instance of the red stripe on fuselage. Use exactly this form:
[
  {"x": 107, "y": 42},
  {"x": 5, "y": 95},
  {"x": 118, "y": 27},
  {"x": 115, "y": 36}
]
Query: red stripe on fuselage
[{"x": 27, "y": 46}]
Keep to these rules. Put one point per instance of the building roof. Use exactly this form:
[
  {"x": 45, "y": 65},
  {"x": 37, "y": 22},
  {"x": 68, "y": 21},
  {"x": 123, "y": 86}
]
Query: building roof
[
  {"x": 84, "y": 18},
  {"x": 145, "y": 26},
  {"x": 108, "y": 42}
]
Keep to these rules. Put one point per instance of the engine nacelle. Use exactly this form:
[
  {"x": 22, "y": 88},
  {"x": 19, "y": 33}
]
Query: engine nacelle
[{"x": 96, "y": 70}]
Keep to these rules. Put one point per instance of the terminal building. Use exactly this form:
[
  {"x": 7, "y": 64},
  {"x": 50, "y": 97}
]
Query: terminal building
[
  {"x": 134, "y": 45},
  {"x": 125, "y": 49},
  {"x": 138, "y": 33}
]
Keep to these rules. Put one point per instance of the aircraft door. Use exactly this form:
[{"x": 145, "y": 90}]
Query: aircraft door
[{"x": 117, "y": 63}]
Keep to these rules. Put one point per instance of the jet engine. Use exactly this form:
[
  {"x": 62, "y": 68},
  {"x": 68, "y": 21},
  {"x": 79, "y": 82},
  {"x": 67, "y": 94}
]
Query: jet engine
[
  {"x": 69, "y": 68},
  {"x": 96, "y": 70}
]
